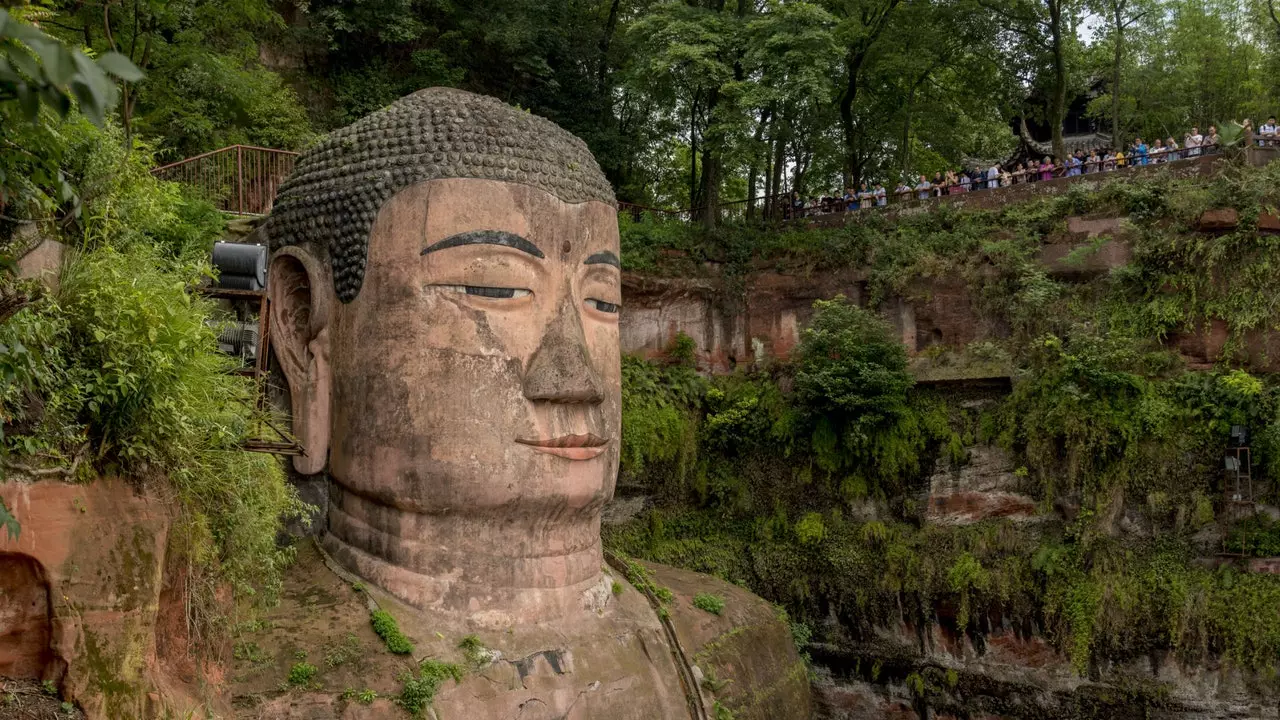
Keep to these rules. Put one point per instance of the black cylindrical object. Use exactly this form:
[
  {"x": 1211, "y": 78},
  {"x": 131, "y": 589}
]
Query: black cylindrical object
[
  {"x": 239, "y": 282},
  {"x": 243, "y": 260}
]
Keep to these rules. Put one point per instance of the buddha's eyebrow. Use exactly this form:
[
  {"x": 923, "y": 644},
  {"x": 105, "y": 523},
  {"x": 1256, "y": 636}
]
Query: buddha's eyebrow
[
  {"x": 487, "y": 237},
  {"x": 604, "y": 257}
]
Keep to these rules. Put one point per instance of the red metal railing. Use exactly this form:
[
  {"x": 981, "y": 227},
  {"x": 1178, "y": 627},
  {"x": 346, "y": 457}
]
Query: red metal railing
[{"x": 241, "y": 179}]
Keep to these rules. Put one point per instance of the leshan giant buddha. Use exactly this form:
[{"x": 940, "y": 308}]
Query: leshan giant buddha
[{"x": 445, "y": 291}]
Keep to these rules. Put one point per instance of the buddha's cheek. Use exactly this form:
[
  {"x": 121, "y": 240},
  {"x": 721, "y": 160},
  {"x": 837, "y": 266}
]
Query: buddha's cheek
[{"x": 430, "y": 428}]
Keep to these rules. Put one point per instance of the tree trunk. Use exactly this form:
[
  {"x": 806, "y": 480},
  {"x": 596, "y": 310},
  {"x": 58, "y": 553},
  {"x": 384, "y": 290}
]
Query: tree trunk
[
  {"x": 753, "y": 170},
  {"x": 1059, "y": 110},
  {"x": 779, "y": 155},
  {"x": 693, "y": 155},
  {"x": 710, "y": 186},
  {"x": 606, "y": 40},
  {"x": 846, "y": 113},
  {"x": 1116, "y": 140}
]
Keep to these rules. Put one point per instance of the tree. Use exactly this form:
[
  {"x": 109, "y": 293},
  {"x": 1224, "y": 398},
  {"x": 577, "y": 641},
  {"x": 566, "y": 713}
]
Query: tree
[
  {"x": 205, "y": 87},
  {"x": 1122, "y": 15},
  {"x": 1046, "y": 31},
  {"x": 36, "y": 69}
]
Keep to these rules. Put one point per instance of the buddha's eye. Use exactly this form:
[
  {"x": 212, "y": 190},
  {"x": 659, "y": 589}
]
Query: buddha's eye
[
  {"x": 602, "y": 306},
  {"x": 501, "y": 293}
]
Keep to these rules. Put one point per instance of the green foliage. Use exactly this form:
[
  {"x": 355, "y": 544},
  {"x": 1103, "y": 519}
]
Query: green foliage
[
  {"x": 9, "y": 522},
  {"x": 36, "y": 69},
  {"x": 301, "y": 674},
  {"x": 722, "y": 712},
  {"x": 119, "y": 372},
  {"x": 205, "y": 86},
  {"x": 850, "y": 369},
  {"x": 474, "y": 651},
  {"x": 389, "y": 630},
  {"x": 656, "y": 410},
  {"x": 713, "y": 604},
  {"x": 420, "y": 690}
]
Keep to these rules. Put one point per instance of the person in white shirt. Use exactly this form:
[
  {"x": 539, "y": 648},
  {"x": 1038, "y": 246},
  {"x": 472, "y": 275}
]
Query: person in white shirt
[
  {"x": 1267, "y": 132},
  {"x": 1193, "y": 141},
  {"x": 993, "y": 177},
  {"x": 881, "y": 200}
]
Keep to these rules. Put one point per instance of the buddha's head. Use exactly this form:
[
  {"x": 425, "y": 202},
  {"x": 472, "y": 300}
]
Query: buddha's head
[{"x": 445, "y": 291}]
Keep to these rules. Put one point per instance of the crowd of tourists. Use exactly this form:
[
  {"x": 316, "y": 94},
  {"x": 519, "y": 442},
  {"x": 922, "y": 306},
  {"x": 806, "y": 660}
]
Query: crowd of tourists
[{"x": 1081, "y": 162}]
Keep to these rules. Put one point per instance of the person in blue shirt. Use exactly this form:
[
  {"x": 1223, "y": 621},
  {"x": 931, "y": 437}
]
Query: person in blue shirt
[
  {"x": 1140, "y": 149},
  {"x": 923, "y": 188}
]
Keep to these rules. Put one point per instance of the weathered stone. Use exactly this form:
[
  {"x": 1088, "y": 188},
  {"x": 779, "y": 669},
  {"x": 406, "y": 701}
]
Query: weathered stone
[
  {"x": 1219, "y": 220},
  {"x": 80, "y": 590},
  {"x": 983, "y": 488},
  {"x": 455, "y": 369},
  {"x": 43, "y": 262},
  {"x": 1079, "y": 254},
  {"x": 1268, "y": 223},
  {"x": 617, "y": 664}
]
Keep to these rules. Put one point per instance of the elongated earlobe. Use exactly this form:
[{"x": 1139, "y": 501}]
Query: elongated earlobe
[{"x": 300, "y": 293}]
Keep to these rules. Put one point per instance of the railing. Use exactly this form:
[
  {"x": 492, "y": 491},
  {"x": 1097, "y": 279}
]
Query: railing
[
  {"x": 1040, "y": 173},
  {"x": 244, "y": 179},
  {"x": 241, "y": 179},
  {"x": 785, "y": 207}
]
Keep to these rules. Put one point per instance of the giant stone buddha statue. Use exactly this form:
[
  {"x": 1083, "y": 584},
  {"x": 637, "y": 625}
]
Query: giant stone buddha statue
[{"x": 445, "y": 289}]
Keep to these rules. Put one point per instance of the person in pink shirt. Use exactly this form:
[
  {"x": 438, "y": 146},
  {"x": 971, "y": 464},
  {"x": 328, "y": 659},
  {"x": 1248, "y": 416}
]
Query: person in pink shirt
[{"x": 1046, "y": 168}]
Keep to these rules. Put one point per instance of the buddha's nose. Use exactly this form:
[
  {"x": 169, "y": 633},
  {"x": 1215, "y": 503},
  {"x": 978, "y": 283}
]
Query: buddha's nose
[{"x": 560, "y": 369}]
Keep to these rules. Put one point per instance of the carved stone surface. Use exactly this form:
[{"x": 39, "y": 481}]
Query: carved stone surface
[
  {"x": 444, "y": 296},
  {"x": 339, "y": 185},
  {"x": 80, "y": 595}
]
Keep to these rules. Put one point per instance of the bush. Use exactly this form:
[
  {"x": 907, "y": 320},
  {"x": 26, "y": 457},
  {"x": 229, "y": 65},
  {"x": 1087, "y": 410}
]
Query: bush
[
  {"x": 713, "y": 604},
  {"x": 850, "y": 368},
  {"x": 302, "y": 673},
  {"x": 386, "y": 627},
  {"x": 420, "y": 689},
  {"x": 120, "y": 373}
]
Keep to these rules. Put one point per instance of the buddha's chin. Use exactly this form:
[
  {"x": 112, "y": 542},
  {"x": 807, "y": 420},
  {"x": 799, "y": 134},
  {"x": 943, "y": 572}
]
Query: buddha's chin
[{"x": 486, "y": 592}]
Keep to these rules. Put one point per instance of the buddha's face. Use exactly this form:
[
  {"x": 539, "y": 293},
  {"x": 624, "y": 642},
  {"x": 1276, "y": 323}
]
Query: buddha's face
[{"x": 476, "y": 373}]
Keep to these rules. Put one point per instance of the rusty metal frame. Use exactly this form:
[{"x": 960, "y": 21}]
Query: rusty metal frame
[{"x": 260, "y": 370}]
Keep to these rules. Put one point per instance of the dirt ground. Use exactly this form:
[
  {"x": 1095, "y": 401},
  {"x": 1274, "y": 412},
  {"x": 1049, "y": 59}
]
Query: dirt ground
[{"x": 27, "y": 700}]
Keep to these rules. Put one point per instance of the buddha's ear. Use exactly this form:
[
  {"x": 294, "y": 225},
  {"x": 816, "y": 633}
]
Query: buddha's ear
[{"x": 302, "y": 297}]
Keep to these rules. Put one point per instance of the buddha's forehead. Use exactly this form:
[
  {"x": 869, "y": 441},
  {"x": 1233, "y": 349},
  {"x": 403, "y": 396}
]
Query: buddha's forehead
[
  {"x": 340, "y": 185},
  {"x": 436, "y": 209}
]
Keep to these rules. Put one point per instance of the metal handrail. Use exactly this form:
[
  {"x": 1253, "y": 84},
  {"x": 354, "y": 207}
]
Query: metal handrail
[{"x": 240, "y": 179}]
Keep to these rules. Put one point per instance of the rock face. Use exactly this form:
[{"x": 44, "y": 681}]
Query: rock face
[
  {"x": 1018, "y": 676},
  {"x": 25, "y": 623},
  {"x": 983, "y": 488},
  {"x": 618, "y": 662},
  {"x": 80, "y": 593}
]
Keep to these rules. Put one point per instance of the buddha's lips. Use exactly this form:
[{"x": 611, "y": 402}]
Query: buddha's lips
[{"x": 573, "y": 447}]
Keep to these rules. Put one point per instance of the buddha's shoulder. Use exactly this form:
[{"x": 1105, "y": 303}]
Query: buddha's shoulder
[{"x": 741, "y": 645}]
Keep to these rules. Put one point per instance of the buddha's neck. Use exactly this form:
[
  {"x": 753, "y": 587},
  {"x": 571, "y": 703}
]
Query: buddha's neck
[{"x": 498, "y": 569}]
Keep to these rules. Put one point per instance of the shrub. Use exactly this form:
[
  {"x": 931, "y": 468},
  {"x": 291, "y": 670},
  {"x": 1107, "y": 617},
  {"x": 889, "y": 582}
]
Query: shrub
[
  {"x": 420, "y": 689},
  {"x": 713, "y": 604},
  {"x": 302, "y": 673},
  {"x": 850, "y": 367},
  {"x": 386, "y": 627}
]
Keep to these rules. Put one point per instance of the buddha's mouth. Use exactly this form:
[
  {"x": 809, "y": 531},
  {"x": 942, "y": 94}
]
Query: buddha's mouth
[{"x": 573, "y": 447}]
